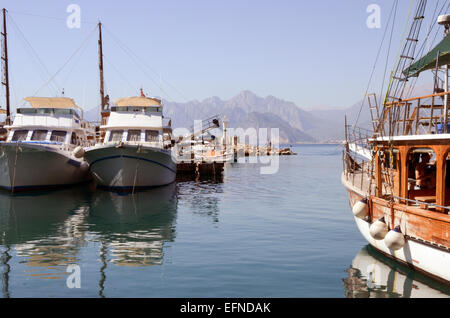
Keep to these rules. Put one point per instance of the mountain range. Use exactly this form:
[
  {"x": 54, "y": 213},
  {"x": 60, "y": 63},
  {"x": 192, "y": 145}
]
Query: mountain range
[{"x": 246, "y": 110}]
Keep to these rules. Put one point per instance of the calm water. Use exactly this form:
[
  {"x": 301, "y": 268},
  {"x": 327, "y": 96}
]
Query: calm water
[{"x": 290, "y": 234}]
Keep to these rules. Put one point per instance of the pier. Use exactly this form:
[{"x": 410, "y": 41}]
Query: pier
[{"x": 200, "y": 169}]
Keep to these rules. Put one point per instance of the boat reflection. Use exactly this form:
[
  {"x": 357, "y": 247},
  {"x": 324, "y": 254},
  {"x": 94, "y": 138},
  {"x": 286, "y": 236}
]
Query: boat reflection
[
  {"x": 373, "y": 275},
  {"x": 45, "y": 232},
  {"x": 133, "y": 228}
]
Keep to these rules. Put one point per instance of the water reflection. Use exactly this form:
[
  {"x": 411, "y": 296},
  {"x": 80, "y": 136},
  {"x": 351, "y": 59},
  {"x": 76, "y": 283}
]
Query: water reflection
[
  {"x": 376, "y": 276},
  {"x": 134, "y": 227},
  {"x": 45, "y": 232},
  {"x": 201, "y": 198}
]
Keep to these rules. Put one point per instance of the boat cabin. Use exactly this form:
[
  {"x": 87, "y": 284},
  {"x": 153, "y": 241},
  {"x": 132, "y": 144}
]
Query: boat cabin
[
  {"x": 137, "y": 120},
  {"x": 49, "y": 121},
  {"x": 418, "y": 170}
]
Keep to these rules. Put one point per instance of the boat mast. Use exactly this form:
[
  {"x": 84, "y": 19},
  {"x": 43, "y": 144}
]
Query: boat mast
[
  {"x": 446, "y": 88},
  {"x": 5, "y": 68},
  {"x": 100, "y": 66}
]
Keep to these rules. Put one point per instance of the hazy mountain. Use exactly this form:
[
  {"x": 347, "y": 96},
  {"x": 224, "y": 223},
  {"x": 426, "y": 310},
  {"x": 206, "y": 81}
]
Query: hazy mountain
[
  {"x": 287, "y": 133},
  {"x": 249, "y": 110},
  {"x": 332, "y": 121}
]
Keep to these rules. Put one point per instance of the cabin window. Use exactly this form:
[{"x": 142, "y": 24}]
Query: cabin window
[
  {"x": 44, "y": 111},
  {"x": 134, "y": 135},
  {"x": 422, "y": 175},
  {"x": 153, "y": 109},
  {"x": 115, "y": 135},
  {"x": 39, "y": 135},
  {"x": 73, "y": 139},
  {"x": 151, "y": 135},
  {"x": 20, "y": 135},
  {"x": 391, "y": 160},
  {"x": 447, "y": 173},
  {"x": 58, "y": 136},
  {"x": 64, "y": 112}
]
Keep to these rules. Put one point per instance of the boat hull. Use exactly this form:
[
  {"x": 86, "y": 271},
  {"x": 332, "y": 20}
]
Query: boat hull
[
  {"x": 424, "y": 257},
  {"x": 32, "y": 166},
  {"x": 130, "y": 167}
]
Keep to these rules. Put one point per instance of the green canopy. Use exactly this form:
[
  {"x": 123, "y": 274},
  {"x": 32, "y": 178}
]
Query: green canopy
[{"x": 429, "y": 60}]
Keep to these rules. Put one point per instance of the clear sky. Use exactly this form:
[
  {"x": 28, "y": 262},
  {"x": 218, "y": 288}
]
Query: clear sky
[{"x": 315, "y": 53}]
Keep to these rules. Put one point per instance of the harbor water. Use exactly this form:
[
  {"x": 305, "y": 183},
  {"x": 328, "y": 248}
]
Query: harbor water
[{"x": 288, "y": 234}]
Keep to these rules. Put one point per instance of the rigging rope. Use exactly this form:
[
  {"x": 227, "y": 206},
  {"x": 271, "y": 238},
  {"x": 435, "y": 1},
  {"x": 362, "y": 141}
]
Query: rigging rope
[
  {"x": 396, "y": 90},
  {"x": 118, "y": 72},
  {"x": 68, "y": 60},
  {"x": 55, "y": 87},
  {"x": 47, "y": 17},
  {"x": 374, "y": 66},
  {"x": 139, "y": 62},
  {"x": 422, "y": 49},
  {"x": 387, "y": 56}
]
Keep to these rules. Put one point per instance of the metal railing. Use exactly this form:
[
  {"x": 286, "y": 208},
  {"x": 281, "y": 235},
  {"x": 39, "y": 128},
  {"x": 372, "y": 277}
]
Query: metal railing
[
  {"x": 358, "y": 135},
  {"x": 426, "y": 205}
]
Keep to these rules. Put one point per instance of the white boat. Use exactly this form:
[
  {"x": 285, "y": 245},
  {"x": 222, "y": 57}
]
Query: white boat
[
  {"x": 41, "y": 147},
  {"x": 205, "y": 151},
  {"x": 136, "y": 148}
]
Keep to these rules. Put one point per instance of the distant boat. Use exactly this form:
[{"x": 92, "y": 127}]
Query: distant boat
[
  {"x": 136, "y": 149},
  {"x": 43, "y": 146}
]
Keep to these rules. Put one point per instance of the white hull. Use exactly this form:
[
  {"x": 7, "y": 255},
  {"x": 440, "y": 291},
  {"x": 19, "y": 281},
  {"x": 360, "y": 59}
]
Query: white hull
[
  {"x": 381, "y": 275},
  {"x": 27, "y": 166},
  {"x": 431, "y": 260},
  {"x": 130, "y": 166}
]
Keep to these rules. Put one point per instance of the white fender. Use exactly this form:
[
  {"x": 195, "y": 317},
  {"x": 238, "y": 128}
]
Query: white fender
[
  {"x": 361, "y": 209},
  {"x": 394, "y": 239},
  {"x": 378, "y": 229},
  {"x": 78, "y": 152}
]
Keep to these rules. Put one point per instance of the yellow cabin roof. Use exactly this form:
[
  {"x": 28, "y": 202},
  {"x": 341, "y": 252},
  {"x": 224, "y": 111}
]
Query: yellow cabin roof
[
  {"x": 139, "y": 101},
  {"x": 51, "y": 102}
]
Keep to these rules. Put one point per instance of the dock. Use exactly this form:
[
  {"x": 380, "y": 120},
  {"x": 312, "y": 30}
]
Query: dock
[{"x": 210, "y": 170}]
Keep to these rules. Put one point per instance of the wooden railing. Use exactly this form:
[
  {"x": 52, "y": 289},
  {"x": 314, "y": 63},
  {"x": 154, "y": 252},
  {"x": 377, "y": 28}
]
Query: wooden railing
[{"x": 413, "y": 116}]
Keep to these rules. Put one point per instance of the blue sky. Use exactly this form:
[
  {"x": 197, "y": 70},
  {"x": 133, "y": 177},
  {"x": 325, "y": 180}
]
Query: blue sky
[{"x": 318, "y": 54}]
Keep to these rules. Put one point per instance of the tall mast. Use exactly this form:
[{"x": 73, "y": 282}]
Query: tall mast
[
  {"x": 5, "y": 61},
  {"x": 100, "y": 65}
]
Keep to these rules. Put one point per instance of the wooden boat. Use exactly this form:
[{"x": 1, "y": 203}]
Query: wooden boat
[{"x": 397, "y": 176}]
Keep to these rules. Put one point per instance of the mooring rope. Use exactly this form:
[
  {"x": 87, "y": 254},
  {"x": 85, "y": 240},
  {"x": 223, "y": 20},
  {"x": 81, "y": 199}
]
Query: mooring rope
[
  {"x": 137, "y": 166},
  {"x": 14, "y": 172}
]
